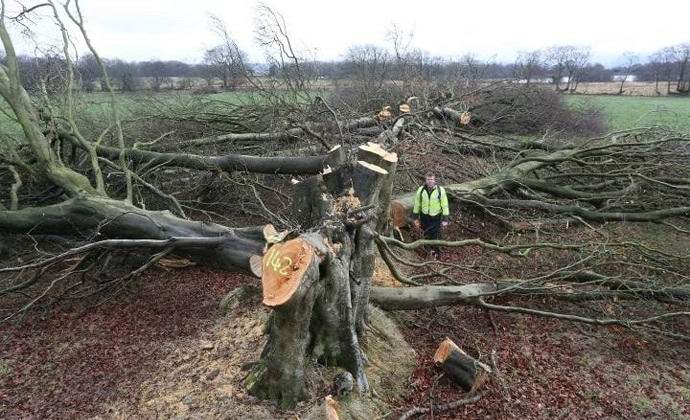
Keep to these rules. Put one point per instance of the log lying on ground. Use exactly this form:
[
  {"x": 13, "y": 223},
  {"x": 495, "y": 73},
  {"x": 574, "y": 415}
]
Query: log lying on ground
[
  {"x": 460, "y": 367},
  {"x": 401, "y": 298},
  {"x": 292, "y": 133},
  {"x": 230, "y": 162},
  {"x": 117, "y": 219}
]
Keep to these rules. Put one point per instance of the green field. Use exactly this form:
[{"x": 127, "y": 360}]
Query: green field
[
  {"x": 620, "y": 112},
  {"x": 96, "y": 106},
  {"x": 624, "y": 112}
]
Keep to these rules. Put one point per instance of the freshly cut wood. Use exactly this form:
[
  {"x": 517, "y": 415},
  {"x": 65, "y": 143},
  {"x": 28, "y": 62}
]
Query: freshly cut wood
[
  {"x": 374, "y": 153},
  {"x": 390, "y": 136},
  {"x": 377, "y": 155},
  {"x": 399, "y": 214},
  {"x": 366, "y": 180},
  {"x": 331, "y": 408},
  {"x": 272, "y": 236},
  {"x": 283, "y": 267},
  {"x": 462, "y": 368},
  {"x": 256, "y": 263}
]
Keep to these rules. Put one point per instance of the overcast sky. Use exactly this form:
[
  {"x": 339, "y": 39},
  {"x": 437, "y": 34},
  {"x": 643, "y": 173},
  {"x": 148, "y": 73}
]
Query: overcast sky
[{"x": 493, "y": 29}]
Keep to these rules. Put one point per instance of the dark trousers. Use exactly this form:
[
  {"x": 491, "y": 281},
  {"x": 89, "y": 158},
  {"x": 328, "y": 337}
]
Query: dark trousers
[{"x": 431, "y": 226}]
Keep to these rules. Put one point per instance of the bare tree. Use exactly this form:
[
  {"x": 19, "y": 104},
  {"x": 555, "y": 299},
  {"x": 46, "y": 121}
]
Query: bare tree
[
  {"x": 227, "y": 61},
  {"x": 630, "y": 62},
  {"x": 682, "y": 56},
  {"x": 567, "y": 62},
  {"x": 369, "y": 67},
  {"x": 528, "y": 65}
]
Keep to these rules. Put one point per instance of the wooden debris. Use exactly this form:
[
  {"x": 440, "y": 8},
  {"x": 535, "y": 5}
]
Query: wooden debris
[
  {"x": 460, "y": 367},
  {"x": 282, "y": 269}
]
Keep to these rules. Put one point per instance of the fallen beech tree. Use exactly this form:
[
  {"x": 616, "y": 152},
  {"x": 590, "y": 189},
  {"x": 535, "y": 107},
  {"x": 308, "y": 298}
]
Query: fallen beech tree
[
  {"x": 317, "y": 282},
  {"x": 317, "y": 275},
  {"x": 617, "y": 174},
  {"x": 291, "y": 134},
  {"x": 228, "y": 163}
]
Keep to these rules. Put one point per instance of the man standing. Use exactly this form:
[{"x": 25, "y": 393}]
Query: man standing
[{"x": 431, "y": 210}]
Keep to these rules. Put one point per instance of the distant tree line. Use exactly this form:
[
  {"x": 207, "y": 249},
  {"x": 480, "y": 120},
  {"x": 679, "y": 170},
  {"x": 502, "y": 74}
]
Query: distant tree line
[{"x": 226, "y": 66}]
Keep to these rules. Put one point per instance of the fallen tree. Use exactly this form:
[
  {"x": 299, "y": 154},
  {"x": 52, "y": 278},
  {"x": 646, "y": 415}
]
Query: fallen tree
[
  {"x": 317, "y": 276},
  {"x": 622, "y": 169},
  {"x": 318, "y": 284}
]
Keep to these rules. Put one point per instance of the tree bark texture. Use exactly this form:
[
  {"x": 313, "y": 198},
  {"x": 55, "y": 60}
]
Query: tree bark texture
[{"x": 323, "y": 319}]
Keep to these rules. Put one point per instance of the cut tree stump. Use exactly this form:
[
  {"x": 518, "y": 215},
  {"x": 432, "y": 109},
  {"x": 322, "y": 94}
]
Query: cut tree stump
[
  {"x": 318, "y": 284},
  {"x": 463, "y": 369},
  {"x": 290, "y": 273},
  {"x": 283, "y": 267}
]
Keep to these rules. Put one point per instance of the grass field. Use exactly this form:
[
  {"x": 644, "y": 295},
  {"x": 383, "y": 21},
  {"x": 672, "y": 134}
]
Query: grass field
[{"x": 623, "y": 112}]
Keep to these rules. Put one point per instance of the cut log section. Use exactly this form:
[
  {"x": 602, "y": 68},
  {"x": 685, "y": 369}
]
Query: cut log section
[
  {"x": 366, "y": 180},
  {"x": 460, "y": 367},
  {"x": 331, "y": 408},
  {"x": 375, "y": 154},
  {"x": 399, "y": 214},
  {"x": 283, "y": 267}
]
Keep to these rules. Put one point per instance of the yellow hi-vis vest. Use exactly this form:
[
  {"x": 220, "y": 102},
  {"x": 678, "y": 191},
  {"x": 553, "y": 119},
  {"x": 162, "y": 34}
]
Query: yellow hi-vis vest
[{"x": 431, "y": 204}]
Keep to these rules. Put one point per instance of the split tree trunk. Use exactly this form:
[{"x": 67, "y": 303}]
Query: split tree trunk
[
  {"x": 320, "y": 294},
  {"x": 290, "y": 273}
]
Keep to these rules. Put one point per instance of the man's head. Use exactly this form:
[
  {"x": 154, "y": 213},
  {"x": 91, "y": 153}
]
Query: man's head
[{"x": 430, "y": 179}]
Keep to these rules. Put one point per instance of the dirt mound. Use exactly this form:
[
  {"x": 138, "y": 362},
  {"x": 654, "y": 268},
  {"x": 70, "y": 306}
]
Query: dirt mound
[{"x": 204, "y": 376}]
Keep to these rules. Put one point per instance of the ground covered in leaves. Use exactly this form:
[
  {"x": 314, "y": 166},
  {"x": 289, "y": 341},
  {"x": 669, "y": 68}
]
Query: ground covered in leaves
[
  {"x": 75, "y": 362},
  {"x": 167, "y": 351},
  {"x": 548, "y": 369}
]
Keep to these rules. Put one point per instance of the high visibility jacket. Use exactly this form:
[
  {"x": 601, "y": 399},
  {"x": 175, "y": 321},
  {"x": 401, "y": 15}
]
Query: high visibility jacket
[{"x": 431, "y": 204}]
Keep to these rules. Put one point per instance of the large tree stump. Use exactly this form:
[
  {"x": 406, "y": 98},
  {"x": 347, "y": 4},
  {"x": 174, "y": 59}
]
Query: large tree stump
[
  {"x": 460, "y": 367},
  {"x": 319, "y": 283},
  {"x": 290, "y": 272}
]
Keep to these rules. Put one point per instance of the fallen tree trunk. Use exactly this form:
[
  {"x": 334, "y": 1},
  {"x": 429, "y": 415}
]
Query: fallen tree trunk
[
  {"x": 593, "y": 156},
  {"x": 292, "y": 133},
  {"x": 231, "y": 162},
  {"x": 109, "y": 218},
  {"x": 401, "y": 206},
  {"x": 420, "y": 297},
  {"x": 461, "y": 368}
]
